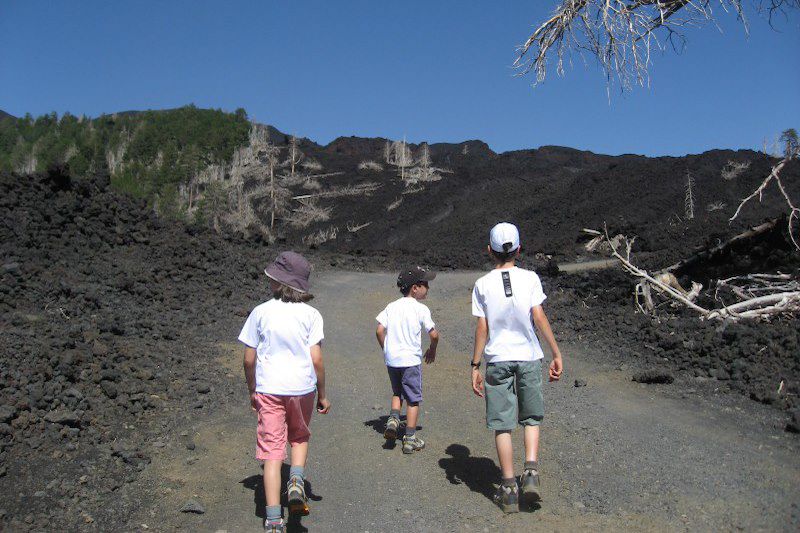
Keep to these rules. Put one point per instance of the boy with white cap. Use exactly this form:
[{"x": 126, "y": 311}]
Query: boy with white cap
[{"x": 508, "y": 304}]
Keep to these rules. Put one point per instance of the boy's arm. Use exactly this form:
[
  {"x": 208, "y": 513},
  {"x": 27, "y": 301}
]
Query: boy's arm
[
  {"x": 380, "y": 333},
  {"x": 481, "y": 336},
  {"x": 250, "y": 373},
  {"x": 543, "y": 326},
  {"x": 430, "y": 354},
  {"x": 323, "y": 404}
]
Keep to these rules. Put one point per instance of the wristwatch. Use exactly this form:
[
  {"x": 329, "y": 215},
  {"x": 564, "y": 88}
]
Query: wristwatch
[{"x": 475, "y": 365}]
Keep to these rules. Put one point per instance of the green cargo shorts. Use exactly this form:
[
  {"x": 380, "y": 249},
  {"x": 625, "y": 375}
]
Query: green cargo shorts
[{"x": 513, "y": 391}]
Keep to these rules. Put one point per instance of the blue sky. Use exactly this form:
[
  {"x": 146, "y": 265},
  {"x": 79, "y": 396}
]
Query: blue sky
[{"x": 436, "y": 71}]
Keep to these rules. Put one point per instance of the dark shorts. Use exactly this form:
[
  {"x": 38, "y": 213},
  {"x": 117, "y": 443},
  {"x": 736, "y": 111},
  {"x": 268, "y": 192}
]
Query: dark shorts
[
  {"x": 406, "y": 382},
  {"x": 513, "y": 394}
]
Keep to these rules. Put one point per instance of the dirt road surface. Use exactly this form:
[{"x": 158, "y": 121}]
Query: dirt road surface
[{"x": 615, "y": 455}]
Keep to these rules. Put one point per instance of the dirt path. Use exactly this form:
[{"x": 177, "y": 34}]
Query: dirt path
[{"x": 615, "y": 454}]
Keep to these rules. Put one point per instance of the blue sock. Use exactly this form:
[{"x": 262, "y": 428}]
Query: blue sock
[
  {"x": 273, "y": 513},
  {"x": 410, "y": 432},
  {"x": 395, "y": 413},
  {"x": 297, "y": 471}
]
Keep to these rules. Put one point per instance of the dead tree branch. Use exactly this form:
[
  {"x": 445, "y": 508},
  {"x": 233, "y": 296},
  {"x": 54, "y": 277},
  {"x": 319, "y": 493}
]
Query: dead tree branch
[
  {"x": 774, "y": 175},
  {"x": 783, "y": 290},
  {"x": 620, "y": 34}
]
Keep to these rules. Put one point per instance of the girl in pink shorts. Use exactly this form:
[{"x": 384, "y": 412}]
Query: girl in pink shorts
[{"x": 284, "y": 370}]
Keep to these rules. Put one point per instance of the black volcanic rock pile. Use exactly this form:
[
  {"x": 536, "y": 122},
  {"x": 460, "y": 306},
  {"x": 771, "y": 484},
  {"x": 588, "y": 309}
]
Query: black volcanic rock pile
[
  {"x": 759, "y": 360},
  {"x": 100, "y": 308}
]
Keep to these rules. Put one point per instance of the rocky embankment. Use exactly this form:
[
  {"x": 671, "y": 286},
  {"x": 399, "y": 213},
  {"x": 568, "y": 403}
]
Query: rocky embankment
[{"x": 102, "y": 308}]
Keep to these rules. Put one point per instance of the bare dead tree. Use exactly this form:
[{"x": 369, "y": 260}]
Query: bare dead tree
[
  {"x": 387, "y": 153},
  {"x": 623, "y": 34},
  {"x": 688, "y": 202},
  {"x": 294, "y": 157},
  {"x": 267, "y": 153},
  {"x": 402, "y": 157}
]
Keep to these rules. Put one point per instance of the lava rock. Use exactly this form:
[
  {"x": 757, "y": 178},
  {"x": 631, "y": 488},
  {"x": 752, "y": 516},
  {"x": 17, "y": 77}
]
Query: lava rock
[
  {"x": 7, "y": 413},
  {"x": 63, "y": 417},
  {"x": 193, "y": 506},
  {"x": 653, "y": 376},
  {"x": 793, "y": 426}
]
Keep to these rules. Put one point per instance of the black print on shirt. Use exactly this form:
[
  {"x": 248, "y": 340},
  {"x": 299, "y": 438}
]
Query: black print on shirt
[{"x": 507, "y": 284}]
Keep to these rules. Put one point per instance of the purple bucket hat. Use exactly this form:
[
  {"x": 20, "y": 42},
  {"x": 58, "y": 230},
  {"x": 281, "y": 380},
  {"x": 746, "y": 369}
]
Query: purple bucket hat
[{"x": 290, "y": 269}]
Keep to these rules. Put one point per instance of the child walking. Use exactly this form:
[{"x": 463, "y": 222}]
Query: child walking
[
  {"x": 399, "y": 335},
  {"x": 508, "y": 304},
  {"x": 284, "y": 371}
]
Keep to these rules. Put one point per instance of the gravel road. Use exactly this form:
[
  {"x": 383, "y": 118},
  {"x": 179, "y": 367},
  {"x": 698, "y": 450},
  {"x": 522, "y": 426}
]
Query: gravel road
[{"x": 615, "y": 454}]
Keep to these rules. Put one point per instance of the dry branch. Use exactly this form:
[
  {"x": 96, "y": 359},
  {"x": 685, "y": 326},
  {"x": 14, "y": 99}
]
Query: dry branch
[
  {"x": 722, "y": 247},
  {"x": 621, "y": 34},
  {"x": 783, "y": 299},
  {"x": 774, "y": 175}
]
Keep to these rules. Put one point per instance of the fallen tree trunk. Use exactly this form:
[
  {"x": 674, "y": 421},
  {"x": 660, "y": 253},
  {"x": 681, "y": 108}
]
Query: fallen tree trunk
[{"x": 709, "y": 253}]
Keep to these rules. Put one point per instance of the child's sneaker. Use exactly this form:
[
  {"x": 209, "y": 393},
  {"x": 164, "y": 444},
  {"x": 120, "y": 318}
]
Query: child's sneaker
[
  {"x": 412, "y": 444},
  {"x": 296, "y": 496},
  {"x": 530, "y": 482},
  {"x": 392, "y": 425},
  {"x": 507, "y": 497},
  {"x": 274, "y": 526}
]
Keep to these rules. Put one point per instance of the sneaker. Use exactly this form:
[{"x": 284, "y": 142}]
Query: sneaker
[
  {"x": 274, "y": 526},
  {"x": 392, "y": 425},
  {"x": 296, "y": 496},
  {"x": 412, "y": 444},
  {"x": 529, "y": 481},
  {"x": 507, "y": 498}
]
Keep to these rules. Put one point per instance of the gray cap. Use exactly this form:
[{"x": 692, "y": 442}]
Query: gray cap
[{"x": 290, "y": 269}]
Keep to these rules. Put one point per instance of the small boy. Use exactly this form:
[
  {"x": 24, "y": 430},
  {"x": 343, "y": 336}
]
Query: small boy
[
  {"x": 284, "y": 371},
  {"x": 399, "y": 334},
  {"x": 508, "y": 303}
]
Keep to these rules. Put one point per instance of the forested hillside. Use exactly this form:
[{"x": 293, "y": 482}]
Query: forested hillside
[{"x": 147, "y": 153}]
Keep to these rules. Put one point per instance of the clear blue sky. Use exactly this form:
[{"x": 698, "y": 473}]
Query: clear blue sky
[{"x": 431, "y": 70}]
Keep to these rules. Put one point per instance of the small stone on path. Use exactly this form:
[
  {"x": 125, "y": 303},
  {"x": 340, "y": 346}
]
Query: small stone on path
[
  {"x": 580, "y": 382},
  {"x": 193, "y": 506}
]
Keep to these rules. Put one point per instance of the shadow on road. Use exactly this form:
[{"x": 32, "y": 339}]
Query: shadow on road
[
  {"x": 479, "y": 474},
  {"x": 256, "y": 484}
]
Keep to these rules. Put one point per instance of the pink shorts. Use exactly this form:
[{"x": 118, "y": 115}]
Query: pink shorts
[{"x": 282, "y": 419}]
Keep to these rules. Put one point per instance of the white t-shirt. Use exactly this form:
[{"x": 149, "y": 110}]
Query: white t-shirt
[
  {"x": 511, "y": 333},
  {"x": 404, "y": 320},
  {"x": 282, "y": 334}
]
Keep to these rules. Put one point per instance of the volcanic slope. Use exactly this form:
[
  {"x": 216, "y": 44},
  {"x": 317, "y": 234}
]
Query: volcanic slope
[{"x": 550, "y": 193}]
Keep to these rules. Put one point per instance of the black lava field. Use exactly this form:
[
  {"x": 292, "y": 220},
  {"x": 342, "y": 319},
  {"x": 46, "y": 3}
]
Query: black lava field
[{"x": 107, "y": 311}]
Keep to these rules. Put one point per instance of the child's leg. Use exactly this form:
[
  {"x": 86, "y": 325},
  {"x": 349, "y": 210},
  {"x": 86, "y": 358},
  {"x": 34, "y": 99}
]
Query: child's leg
[
  {"x": 395, "y": 379},
  {"x": 501, "y": 411},
  {"x": 298, "y": 416},
  {"x": 397, "y": 403},
  {"x": 271, "y": 448},
  {"x": 531, "y": 405},
  {"x": 299, "y": 454},
  {"x": 412, "y": 414},
  {"x": 412, "y": 391},
  {"x": 505, "y": 452},
  {"x": 531, "y": 443},
  {"x": 272, "y": 481}
]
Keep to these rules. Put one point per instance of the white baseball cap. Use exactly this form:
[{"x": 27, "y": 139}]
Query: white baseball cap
[{"x": 504, "y": 237}]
